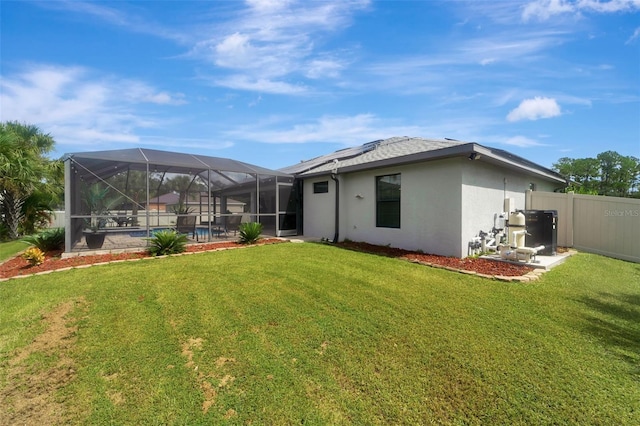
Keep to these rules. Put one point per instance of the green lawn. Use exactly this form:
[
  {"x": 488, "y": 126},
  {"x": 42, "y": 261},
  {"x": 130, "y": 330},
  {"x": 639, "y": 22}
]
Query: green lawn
[
  {"x": 9, "y": 249},
  {"x": 309, "y": 333}
]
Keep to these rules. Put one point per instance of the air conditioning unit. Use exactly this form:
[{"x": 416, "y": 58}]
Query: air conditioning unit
[{"x": 542, "y": 230}]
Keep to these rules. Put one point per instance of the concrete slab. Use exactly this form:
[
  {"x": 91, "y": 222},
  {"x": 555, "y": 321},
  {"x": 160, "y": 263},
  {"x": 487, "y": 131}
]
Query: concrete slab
[
  {"x": 541, "y": 262},
  {"x": 302, "y": 239}
]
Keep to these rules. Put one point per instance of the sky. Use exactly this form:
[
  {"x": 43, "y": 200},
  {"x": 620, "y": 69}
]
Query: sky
[{"x": 275, "y": 82}]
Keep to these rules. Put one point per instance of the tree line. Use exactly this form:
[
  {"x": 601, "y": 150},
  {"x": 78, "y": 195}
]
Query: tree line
[{"x": 609, "y": 173}]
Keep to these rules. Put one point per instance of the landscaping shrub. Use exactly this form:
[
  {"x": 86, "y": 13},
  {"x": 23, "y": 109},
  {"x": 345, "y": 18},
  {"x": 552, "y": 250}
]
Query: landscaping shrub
[
  {"x": 48, "y": 240},
  {"x": 34, "y": 256},
  {"x": 250, "y": 232},
  {"x": 167, "y": 242}
]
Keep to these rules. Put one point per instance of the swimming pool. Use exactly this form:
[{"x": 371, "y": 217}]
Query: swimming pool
[{"x": 201, "y": 232}]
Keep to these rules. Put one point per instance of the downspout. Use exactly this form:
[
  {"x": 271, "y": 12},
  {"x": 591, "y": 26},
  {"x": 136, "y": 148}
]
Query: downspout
[{"x": 334, "y": 177}]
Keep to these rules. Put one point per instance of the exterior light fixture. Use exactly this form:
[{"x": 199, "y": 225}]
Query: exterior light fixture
[{"x": 474, "y": 156}]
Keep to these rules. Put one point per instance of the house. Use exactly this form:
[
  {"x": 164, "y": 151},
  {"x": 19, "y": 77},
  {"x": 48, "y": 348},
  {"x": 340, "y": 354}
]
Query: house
[
  {"x": 414, "y": 193},
  {"x": 164, "y": 203}
]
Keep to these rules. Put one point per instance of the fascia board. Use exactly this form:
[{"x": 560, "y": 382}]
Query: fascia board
[{"x": 490, "y": 157}]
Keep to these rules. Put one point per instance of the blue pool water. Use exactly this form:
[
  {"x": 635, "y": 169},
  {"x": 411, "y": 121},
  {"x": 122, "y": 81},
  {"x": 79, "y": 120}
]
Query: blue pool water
[{"x": 202, "y": 232}]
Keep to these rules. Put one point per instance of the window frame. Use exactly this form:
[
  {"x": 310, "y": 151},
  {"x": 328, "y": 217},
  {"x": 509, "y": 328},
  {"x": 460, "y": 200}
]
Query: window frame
[
  {"x": 321, "y": 187},
  {"x": 388, "y": 208}
]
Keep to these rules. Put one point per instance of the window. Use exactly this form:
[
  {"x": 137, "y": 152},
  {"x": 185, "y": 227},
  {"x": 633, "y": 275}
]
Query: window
[
  {"x": 321, "y": 187},
  {"x": 388, "y": 201}
]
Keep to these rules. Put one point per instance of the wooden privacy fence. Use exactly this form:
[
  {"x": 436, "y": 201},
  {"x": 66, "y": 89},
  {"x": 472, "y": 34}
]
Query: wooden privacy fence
[{"x": 604, "y": 225}]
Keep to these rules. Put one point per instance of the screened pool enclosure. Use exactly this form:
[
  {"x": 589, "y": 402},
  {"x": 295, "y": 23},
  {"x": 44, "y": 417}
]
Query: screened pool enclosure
[{"x": 117, "y": 199}]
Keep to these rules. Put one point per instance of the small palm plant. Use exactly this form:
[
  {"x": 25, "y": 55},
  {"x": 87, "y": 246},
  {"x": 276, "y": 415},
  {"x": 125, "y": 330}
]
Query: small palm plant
[
  {"x": 167, "y": 242},
  {"x": 47, "y": 240},
  {"x": 250, "y": 232}
]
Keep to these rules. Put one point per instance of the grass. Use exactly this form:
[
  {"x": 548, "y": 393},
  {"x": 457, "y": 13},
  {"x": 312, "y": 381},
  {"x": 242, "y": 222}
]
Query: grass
[
  {"x": 10, "y": 248},
  {"x": 307, "y": 333}
]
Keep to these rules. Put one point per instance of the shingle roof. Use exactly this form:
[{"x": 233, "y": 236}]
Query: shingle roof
[
  {"x": 404, "y": 150},
  {"x": 169, "y": 198},
  {"x": 371, "y": 152}
]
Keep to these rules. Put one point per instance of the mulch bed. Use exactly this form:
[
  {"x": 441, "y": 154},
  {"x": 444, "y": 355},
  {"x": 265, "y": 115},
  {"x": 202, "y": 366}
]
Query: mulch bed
[
  {"x": 18, "y": 266},
  {"x": 481, "y": 266}
]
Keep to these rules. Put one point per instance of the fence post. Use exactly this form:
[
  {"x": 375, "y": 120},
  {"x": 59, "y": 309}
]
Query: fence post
[
  {"x": 528, "y": 202},
  {"x": 569, "y": 218}
]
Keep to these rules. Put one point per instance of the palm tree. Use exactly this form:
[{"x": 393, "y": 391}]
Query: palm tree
[{"x": 24, "y": 171}]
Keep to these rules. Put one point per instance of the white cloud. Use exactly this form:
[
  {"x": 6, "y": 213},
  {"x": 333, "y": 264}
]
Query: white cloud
[
  {"x": 234, "y": 51},
  {"x": 520, "y": 141},
  {"x": 345, "y": 130},
  {"x": 534, "y": 109},
  {"x": 545, "y": 9},
  {"x": 333, "y": 129},
  {"x": 634, "y": 36},
  {"x": 270, "y": 5},
  {"x": 255, "y": 102},
  {"x": 610, "y": 6},
  {"x": 118, "y": 17},
  {"x": 182, "y": 143},
  {"x": 77, "y": 107},
  {"x": 262, "y": 85},
  {"x": 451, "y": 63},
  {"x": 506, "y": 47},
  {"x": 487, "y": 61},
  {"x": 271, "y": 41},
  {"x": 139, "y": 92},
  {"x": 324, "y": 68}
]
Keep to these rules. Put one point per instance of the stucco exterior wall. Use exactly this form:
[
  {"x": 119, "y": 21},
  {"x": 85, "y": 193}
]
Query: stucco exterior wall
[
  {"x": 443, "y": 204},
  {"x": 484, "y": 188},
  {"x": 318, "y": 209},
  {"x": 429, "y": 208}
]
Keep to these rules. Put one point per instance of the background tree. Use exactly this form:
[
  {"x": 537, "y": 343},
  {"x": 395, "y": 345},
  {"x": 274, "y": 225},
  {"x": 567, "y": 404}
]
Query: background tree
[
  {"x": 608, "y": 174},
  {"x": 584, "y": 174},
  {"x": 183, "y": 185},
  {"x": 132, "y": 184},
  {"x": 30, "y": 183}
]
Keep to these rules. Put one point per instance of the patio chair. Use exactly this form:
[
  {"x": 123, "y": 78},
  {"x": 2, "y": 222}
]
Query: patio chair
[
  {"x": 187, "y": 225},
  {"x": 233, "y": 224},
  {"x": 121, "y": 219}
]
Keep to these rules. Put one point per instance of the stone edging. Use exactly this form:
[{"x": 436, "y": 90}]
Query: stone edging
[
  {"x": 528, "y": 277},
  {"x": 88, "y": 265}
]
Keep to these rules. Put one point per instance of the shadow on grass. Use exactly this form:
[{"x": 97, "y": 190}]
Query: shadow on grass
[{"x": 617, "y": 323}]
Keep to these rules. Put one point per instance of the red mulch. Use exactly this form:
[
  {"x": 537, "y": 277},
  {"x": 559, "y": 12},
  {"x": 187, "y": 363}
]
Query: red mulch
[
  {"x": 18, "y": 266},
  {"x": 481, "y": 266}
]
